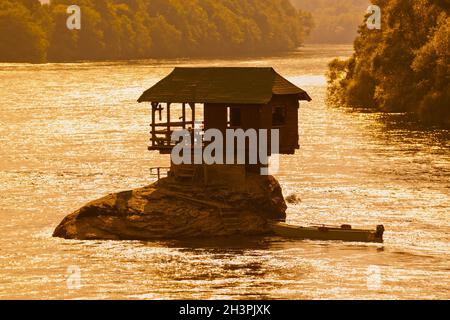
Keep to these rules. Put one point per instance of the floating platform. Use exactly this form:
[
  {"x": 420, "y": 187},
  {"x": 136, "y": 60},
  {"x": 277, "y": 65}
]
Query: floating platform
[{"x": 343, "y": 233}]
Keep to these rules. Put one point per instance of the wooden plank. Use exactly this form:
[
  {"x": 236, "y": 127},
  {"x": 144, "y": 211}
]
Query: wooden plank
[
  {"x": 168, "y": 119},
  {"x": 162, "y": 132},
  {"x": 174, "y": 124},
  {"x": 160, "y": 148}
]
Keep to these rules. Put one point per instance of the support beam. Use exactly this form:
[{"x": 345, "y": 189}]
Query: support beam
[
  {"x": 174, "y": 124},
  {"x": 160, "y": 109},
  {"x": 153, "y": 124},
  {"x": 184, "y": 115},
  {"x": 193, "y": 123},
  {"x": 168, "y": 123}
]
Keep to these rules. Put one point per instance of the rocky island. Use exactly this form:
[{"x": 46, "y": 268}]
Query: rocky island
[
  {"x": 251, "y": 113},
  {"x": 170, "y": 210}
]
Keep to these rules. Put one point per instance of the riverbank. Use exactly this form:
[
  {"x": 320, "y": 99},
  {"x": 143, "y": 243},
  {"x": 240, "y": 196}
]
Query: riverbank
[{"x": 399, "y": 70}]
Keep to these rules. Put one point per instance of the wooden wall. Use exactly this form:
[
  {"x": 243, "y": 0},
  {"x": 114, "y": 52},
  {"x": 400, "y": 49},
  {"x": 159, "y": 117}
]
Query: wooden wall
[
  {"x": 289, "y": 137},
  {"x": 216, "y": 117},
  {"x": 260, "y": 117}
]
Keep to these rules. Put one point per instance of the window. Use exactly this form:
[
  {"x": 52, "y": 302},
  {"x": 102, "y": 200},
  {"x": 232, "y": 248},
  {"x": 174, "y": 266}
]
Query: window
[
  {"x": 235, "y": 117},
  {"x": 279, "y": 116}
]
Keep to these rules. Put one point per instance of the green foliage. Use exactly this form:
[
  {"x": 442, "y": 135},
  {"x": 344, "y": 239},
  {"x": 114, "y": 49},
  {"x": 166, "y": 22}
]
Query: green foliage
[
  {"x": 404, "y": 67},
  {"x": 135, "y": 29}
]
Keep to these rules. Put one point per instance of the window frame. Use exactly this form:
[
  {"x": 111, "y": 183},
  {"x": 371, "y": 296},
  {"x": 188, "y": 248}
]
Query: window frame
[{"x": 284, "y": 114}]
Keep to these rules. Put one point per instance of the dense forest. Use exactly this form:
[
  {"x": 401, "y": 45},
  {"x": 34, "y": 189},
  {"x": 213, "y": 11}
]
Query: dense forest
[
  {"x": 404, "y": 67},
  {"x": 136, "y": 29},
  {"x": 336, "y": 21}
]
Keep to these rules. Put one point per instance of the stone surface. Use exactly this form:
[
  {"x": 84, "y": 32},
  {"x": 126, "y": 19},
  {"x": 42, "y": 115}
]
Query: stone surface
[{"x": 170, "y": 210}]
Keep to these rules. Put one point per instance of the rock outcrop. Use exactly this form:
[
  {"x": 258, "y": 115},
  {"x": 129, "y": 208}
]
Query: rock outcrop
[{"x": 170, "y": 210}]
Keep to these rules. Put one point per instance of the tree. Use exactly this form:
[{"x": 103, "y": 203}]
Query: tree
[
  {"x": 21, "y": 38},
  {"x": 402, "y": 68},
  {"x": 132, "y": 29}
]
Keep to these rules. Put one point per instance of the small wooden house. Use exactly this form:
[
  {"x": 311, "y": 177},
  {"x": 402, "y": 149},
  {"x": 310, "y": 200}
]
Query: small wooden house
[{"x": 224, "y": 98}]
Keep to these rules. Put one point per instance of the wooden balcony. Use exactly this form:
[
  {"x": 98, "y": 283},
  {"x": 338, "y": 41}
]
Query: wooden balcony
[{"x": 161, "y": 132}]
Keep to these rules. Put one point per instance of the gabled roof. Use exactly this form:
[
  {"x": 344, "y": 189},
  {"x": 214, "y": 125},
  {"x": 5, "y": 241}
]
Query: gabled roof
[{"x": 222, "y": 85}]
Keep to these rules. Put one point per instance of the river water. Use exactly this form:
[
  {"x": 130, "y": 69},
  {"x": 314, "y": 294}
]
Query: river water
[{"x": 71, "y": 133}]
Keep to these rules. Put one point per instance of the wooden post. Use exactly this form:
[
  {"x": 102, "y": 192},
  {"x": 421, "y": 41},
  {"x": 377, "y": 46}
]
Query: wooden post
[
  {"x": 160, "y": 109},
  {"x": 154, "y": 106},
  {"x": 184, "y": 115},
  {"x": 193, "y": 112},
  {"x": 193, "y": 124},
  {"x": 168, "y": 137}
]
